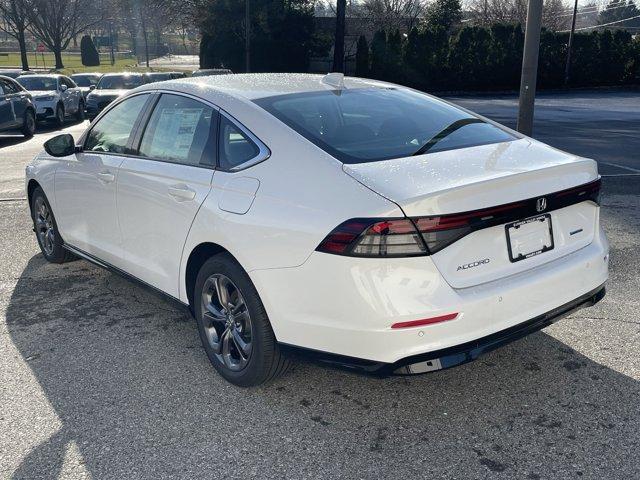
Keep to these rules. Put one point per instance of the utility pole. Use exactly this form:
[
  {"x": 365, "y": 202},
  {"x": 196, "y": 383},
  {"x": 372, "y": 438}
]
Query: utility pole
[
  {"x": 111, "y": 52},
  {"x": 567, "y": 69},
  {"x": 338, "y": 49},
  {"x": 247, "y": 37},
  {"x": 529, "y": 67}
]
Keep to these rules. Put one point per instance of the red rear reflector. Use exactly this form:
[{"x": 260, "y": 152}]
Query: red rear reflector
[{"x": 426, "y": 321}]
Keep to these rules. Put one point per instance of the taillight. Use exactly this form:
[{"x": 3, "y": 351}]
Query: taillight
[
  {"x": 362, "y": 237},
  {"x": 441, "y": 231},
  {"x": 376, "y": 237}
]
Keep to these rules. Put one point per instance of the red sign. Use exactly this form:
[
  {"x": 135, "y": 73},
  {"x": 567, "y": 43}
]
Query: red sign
[{"x": 40, "y": 47}]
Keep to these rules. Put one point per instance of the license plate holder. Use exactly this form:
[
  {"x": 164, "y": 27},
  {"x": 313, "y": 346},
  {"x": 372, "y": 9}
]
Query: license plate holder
[{"x": 529, "y": 237}]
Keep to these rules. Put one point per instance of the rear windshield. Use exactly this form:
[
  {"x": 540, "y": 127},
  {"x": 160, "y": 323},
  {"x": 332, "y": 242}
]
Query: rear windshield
[
  {"x": 120, "y": 82},
  {"x": 372, "y": 124},
  {"x": 38, "y": 83}
]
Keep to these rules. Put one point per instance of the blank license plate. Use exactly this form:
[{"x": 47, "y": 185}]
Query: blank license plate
[{"x": 529, "y": 237}]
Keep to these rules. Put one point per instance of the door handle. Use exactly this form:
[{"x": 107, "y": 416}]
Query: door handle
[
  {"x": 106, "y": 177},
  {"x": 182, "y": 193}
]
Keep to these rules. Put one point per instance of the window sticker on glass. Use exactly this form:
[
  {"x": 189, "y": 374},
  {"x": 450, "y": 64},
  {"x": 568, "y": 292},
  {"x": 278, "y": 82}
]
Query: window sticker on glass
[{"x": 178, "y": 127}]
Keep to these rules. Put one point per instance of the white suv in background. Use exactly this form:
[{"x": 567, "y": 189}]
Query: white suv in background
[{"x": 55, "y": 97}]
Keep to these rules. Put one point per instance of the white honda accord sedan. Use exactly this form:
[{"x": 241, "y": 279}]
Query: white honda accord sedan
[{"x": 358, "y": 222}]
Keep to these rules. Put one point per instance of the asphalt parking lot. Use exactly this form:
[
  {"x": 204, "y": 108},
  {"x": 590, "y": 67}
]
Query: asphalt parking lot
[{"x": 101, "y": 379}]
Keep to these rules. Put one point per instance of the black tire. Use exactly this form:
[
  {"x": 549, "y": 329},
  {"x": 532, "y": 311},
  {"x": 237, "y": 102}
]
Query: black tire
[
  {"x": 59, "y": 118},
  {"x": 80, "y": 113},
  {"x": 29, "y": 124},
  {"x": 52, "y": 250},
  {"x": 265, "y": 361}
]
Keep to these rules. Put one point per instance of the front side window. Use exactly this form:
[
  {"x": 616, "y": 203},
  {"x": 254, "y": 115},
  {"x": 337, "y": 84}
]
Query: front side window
[
  {"x": 235, "y": 146},
  {"x": 68, "y": 82},
  {"x": 371, "y": 124},
  {"x": 111, "y": 133},
  {"x": 180, "y": 130}
]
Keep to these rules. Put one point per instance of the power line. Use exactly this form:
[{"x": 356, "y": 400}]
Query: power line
[
  {"x": 604, "y": 24},
  {"x": 594, "y": 6},
  {"x": 584, "y": 11}
]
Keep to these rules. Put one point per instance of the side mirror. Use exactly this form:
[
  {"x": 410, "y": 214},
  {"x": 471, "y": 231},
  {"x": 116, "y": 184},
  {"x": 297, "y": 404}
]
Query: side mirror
[
  {"x": 63, "y": 87},
  {"x": 92, "y": 87},
  {"x": 60, "y": 145}
]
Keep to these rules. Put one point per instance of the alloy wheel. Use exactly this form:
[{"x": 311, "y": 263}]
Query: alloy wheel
[
  {"x": 227, "y": 322},
  {"x": 59, "y": 115},
  {"x": 44, "y": 226}
]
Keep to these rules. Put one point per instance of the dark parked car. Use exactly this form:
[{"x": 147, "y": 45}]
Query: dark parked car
[
  {"x": 17, "y": 112},
  {"x": 205, "y": 72},
  {"x": 151, "y": 77},
  {"x": 85, "y": 81},
  {"x": 110, "y": 87},
  {"x": 178, "y": 74}
]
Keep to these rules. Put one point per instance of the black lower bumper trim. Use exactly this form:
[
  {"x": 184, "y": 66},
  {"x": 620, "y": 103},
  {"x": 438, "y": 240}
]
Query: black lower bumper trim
[{"x": 451, "y": 356}]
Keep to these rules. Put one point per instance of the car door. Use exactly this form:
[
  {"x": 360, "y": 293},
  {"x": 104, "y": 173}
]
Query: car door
[
  {"x": 7, "y": 115},
  {"x": 161, "y": 190},
  {"x": 74, "y": 93},
  {"x": 85, "y": 183},
  {"x": 66, "y": 95},
  {"x": 19, "y": 99}
]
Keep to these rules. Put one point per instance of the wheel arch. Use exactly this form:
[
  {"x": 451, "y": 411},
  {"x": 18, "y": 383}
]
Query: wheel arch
[
  {"x": 200, "y": 254},
  {"x": 31, "y": 187}
]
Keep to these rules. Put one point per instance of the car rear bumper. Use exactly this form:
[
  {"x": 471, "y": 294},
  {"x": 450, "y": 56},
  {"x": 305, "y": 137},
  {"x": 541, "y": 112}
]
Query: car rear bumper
[
  {"x": 451, "y": 356},
  {"x": 346, "y": 306}
]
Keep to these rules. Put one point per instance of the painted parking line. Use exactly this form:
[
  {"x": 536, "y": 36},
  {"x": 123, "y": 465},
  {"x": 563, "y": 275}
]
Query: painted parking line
[{"x": 623, "y": 167}]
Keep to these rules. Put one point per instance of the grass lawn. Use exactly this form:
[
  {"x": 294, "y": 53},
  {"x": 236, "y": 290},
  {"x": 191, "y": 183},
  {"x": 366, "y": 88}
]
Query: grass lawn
[{"x": 72, "y": 63}]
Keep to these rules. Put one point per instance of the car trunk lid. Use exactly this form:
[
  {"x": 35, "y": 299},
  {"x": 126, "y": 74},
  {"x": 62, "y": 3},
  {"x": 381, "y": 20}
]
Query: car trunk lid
[{"x": 486, "y": 177}]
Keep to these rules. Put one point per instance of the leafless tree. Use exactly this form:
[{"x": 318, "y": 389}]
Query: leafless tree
[
  {"x": 487, "y": 12},
  {"x": 15, "y": 23},
  {"x": 390, "y": 15},
  {"x": 56, "y": 22},
  {"x": 155, "y": 17}
]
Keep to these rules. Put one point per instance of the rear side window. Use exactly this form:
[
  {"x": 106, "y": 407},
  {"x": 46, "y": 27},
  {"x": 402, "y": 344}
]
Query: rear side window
[
  {"x": 236, "y": 148},
  {"x": 371, "y": 124},
  {"x": 112, "y": 131},
  {"x": 180, "y": 130}
]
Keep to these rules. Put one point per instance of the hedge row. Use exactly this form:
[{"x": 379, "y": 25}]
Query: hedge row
[{"x": 479, "y": 58}]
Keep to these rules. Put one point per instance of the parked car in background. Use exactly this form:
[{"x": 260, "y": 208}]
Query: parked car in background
[
  {"x": 110, "y": 87},
  {"x": 55, "y": 97},
  {"x": 15, "y": 72},
  {"x": 178, "y": 74},
  {"x": 205, "y": 72},
  {"x": 415, "y": 237},
  {"x": 151, "y": 77},
  {"x": 17, "y": 111},
  {"x": 86, "y": 81}
]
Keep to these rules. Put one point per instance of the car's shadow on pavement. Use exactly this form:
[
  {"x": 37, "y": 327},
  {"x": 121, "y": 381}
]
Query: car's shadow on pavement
[
  {"x": 11, "y": 139},
  {"x": 135, "y": 394}
]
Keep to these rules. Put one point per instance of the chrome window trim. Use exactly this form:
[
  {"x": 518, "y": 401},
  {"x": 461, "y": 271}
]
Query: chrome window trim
[{"x": 263, "y": 151}]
